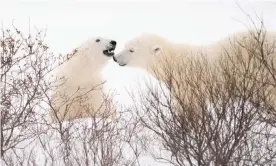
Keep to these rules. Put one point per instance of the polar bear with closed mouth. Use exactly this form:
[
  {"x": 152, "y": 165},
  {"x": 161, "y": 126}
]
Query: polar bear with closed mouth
[
  {"x": 150, "y": 51},
  {"x": 78, "y": 91}
]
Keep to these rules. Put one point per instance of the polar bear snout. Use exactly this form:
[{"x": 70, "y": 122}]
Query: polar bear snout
[
  {"x": 121, "y": 59},
  {"x": 109, "y": 51},
  {"x": 120, "y": 63}
]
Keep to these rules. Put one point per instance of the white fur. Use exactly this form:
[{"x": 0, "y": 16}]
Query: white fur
[
  {"x": 149, "y": 51},
  {"x": 82, "y": 73},
  {"x": 143, "y": 51},
  {"x": 146, "y": 50}
]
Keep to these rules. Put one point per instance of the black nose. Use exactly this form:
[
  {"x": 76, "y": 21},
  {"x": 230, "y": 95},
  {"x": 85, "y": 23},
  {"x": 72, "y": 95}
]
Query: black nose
[
  {"x": 114, "y": 59},
  {"x": 113, "y": 42}
]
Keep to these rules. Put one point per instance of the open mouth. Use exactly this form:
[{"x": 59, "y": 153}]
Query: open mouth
[{"x": 109, "y": 52}]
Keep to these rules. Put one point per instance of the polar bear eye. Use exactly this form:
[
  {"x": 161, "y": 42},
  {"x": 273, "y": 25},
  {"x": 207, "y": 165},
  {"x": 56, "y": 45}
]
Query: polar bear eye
[
  {"x": 131, "y": 51},
  {"x": 98, "y": 40}
]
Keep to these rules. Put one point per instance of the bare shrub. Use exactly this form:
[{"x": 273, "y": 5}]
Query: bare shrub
[
  {"x": 25, "y": 63},
  {"x": 28, "y": 135},
  {"x": 215, "y": 113}
]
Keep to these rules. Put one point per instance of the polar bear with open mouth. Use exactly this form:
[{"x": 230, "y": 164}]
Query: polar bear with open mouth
[{"x": 80, "y": 94}]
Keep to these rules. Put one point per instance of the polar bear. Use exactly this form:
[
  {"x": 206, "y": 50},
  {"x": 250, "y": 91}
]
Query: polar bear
[
  {"x": 151, "y": 51},
  {"x": 78, "y": 88},
  {"x": 143, "y": 51},
  {"x": 147, "y": 50}
]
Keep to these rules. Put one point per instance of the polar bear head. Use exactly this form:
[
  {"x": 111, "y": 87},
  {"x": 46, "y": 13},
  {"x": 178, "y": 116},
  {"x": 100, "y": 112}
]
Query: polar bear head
[
  {"x": 86, "y": 62},
  {"x": 142, "y": 51},
  {"x": 98, "y": 49},
  {"x": 106, "y": 46}
]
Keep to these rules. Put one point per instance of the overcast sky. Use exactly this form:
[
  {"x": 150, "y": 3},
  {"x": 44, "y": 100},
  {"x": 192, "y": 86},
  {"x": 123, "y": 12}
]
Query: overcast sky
[{"x": 71, "y": 22}]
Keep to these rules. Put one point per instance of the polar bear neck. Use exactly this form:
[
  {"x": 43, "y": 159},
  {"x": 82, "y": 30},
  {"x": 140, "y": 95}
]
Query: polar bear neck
[
  {"x": 172, "y": 54},
  {"x": 84, "y": 67}
]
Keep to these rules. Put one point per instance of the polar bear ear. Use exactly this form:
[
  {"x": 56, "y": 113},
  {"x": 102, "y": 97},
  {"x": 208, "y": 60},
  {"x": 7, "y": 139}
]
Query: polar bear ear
[{"x": 156, "y": 49}]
